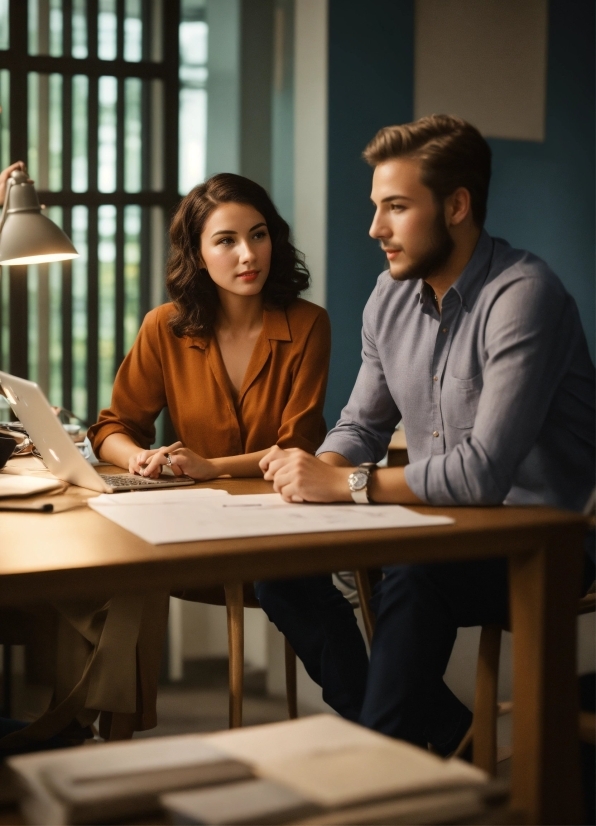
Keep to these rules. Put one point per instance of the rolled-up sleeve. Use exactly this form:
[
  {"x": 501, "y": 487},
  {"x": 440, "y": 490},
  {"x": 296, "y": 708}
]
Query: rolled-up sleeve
[
  {"x": 367, "y": 422},
  {"x": 529, "y": 334},
  {"x": 138, "y": 395}
]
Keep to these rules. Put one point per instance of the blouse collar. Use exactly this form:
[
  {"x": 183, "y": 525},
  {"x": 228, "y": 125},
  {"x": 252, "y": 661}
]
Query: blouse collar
[{"x": 275, "y": 328}]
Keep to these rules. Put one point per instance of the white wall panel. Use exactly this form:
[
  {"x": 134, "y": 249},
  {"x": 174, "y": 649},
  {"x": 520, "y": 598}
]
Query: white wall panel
[{"x": 310, "y": 139}]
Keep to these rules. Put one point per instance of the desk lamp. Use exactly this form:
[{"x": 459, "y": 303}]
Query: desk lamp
[{"x": 27, "y": 236}]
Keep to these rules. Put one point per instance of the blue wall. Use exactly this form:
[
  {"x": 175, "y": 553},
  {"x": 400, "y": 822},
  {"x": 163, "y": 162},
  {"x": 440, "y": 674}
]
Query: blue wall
[
  {"x": 370, "y": 85},
  {"x": 542, "y": 194}
]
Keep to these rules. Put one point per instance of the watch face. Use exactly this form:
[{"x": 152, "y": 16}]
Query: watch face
[{"x": 358, "y": 480}]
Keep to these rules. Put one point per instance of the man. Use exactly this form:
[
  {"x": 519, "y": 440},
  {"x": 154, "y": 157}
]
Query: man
[{"x": 479, "y": 349}]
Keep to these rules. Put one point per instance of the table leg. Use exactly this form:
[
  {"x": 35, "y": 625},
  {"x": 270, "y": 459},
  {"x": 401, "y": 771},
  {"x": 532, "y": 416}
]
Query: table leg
[{"x": 544, "y": 589}]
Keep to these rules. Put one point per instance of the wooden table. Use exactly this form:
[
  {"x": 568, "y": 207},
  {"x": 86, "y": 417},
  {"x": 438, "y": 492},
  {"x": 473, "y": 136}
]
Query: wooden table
[{"x": 45, "y": 557}]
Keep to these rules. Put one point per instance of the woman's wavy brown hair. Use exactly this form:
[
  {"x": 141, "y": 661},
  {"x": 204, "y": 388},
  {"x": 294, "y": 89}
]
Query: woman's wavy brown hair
[{"x": 189, "y": 286}]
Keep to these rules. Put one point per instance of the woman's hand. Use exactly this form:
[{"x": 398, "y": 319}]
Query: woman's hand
[
  {"x": 182, "y": 461},
  {"x": 138, "y": 462}
]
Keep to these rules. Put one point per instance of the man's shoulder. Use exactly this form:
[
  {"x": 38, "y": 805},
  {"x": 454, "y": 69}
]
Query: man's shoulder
[
  {"x": 393, "y": 296},
  {"x": 390, "y": 300},
  {"x": 511, "y": 266}
]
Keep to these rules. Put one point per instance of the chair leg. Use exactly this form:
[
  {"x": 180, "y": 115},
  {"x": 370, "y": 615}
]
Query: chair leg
[
  {"x": 7, "y": 680},
  {"x": 485, "y": 703},
  {"x": 364, "y": 594},
  {"x": 464, "y": 743},
  {"x": 235, "y": 612},
  {"x": 291, "y": 685}
]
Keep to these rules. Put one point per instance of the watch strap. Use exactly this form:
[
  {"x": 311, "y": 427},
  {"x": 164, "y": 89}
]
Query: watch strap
[{"x": 360, "y": 496}]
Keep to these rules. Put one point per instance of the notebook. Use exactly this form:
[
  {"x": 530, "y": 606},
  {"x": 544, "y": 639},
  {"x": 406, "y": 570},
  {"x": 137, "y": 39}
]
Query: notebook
[{"x": 260, "y": 802}]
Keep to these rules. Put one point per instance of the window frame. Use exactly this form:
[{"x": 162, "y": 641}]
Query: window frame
[{"x": 20, "y": 63}]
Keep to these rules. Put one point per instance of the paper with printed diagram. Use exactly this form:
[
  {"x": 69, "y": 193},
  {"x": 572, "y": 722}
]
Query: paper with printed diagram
[{"x": 182, "y": 518}]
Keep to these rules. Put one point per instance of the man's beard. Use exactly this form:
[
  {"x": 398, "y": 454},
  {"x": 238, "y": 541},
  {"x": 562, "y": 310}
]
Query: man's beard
[{"x": 435, "y": 257}]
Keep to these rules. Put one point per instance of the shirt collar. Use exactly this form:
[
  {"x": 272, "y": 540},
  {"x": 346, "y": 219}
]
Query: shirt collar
[
  {"x": 275, "y": 327},
  {"x": 275, "y": 324},
  {"x": 474, "y": 275}
]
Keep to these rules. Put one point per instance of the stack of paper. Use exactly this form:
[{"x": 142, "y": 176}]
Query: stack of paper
[
  {"x": 185, "y": 516},
  {"x": 116, "y": 780}
]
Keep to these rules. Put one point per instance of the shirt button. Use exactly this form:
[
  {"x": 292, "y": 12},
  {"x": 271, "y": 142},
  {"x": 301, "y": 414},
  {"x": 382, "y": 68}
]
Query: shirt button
[
  {"x": 445, "y": 330},
  {"x": 435, "y": 378},
  {"x": 436, "y": 434}
]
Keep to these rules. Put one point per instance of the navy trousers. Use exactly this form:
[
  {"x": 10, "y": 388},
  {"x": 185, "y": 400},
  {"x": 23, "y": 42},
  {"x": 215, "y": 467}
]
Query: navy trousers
[{"x": 419, "y": 608}]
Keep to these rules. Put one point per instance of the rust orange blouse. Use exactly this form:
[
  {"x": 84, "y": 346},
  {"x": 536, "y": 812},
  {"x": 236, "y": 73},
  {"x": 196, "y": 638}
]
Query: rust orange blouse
[{"x": 280, "y": 401}]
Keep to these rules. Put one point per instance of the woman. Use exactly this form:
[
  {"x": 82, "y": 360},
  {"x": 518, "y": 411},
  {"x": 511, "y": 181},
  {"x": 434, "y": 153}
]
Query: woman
[
  {"x": 237, "y": 358},
  {"x": 241, "y": 364}
]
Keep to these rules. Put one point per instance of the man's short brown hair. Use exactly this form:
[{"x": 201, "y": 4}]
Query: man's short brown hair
[{"x": 452, "y": 153}]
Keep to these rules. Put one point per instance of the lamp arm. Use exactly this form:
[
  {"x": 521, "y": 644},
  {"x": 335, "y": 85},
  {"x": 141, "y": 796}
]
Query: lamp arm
[{"x": 9, "y": 185}]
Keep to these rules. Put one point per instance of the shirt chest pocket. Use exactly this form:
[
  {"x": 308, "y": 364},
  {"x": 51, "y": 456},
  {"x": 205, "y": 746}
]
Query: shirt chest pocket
[{"x": 459, "y": 401}]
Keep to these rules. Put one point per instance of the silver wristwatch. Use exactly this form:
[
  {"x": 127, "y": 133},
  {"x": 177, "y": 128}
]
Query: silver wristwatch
[{"x": 358, "y": 482}]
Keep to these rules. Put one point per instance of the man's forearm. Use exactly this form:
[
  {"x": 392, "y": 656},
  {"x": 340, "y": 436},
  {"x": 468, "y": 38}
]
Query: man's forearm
[{"x": 386, "y": 485}]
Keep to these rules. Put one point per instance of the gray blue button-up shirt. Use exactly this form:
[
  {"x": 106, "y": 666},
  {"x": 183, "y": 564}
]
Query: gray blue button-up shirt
[{"x": 496, "y": 393}]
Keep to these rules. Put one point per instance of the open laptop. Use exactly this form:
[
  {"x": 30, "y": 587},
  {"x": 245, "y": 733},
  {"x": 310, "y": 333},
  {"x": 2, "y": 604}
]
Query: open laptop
[{"x": 57, "y": 449}]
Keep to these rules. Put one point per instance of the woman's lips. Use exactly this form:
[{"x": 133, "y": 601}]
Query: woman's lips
[{"x": 249, "y": 275}]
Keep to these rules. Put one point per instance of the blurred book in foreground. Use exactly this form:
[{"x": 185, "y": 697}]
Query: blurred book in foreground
[{"x": 316, "y": 767}]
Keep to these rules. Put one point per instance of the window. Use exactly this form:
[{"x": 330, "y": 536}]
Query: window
[
  {"x": 193, "y": 94},
  {"x": 89, "y": 97}
]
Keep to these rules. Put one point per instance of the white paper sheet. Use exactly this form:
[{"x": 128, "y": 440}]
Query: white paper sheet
[{"x": 227, "y": 517}]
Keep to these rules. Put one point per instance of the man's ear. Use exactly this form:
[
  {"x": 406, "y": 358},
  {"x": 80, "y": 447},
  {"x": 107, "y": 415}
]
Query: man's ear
[{"x": 458, "y": 206}]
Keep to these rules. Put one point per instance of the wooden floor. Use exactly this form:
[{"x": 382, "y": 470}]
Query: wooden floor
[{"x": 200, "y": 702}]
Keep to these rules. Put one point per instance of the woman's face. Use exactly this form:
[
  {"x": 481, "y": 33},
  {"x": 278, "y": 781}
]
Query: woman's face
[{"x": 236, "y": 249}]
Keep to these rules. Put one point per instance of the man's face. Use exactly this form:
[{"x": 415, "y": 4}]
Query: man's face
[{"x": 408, "y": 223}]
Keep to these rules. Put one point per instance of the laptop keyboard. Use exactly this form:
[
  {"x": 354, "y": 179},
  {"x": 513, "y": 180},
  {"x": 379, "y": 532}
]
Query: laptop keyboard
[{"x": 123, "y": 480}]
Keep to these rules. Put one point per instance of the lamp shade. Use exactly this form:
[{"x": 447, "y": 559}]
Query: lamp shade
[{"x": 27, "y": 236}]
